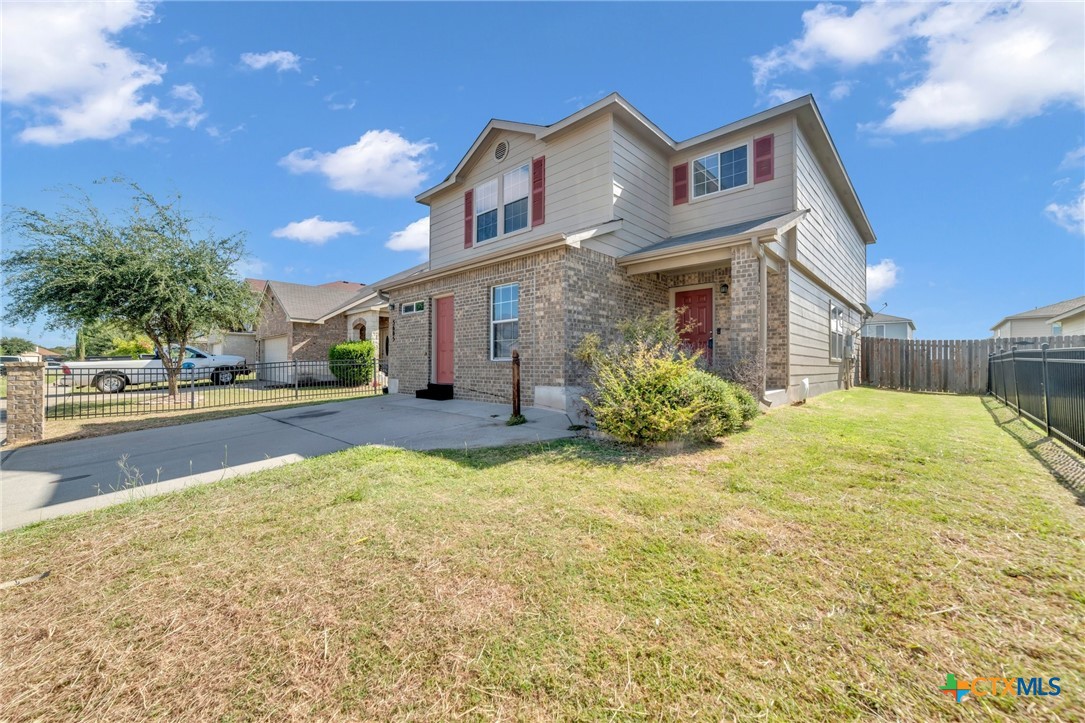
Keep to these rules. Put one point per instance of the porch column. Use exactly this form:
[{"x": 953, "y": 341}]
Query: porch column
[{"x": 747, "y": 298}]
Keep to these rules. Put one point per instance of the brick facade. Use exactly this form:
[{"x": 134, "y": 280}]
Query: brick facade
[
  {"x": 745, "y": 307},
  {"x": 26, "y": 402},
  {"x": 776, "y": 355},
  {"x": 305, "y": 342}
]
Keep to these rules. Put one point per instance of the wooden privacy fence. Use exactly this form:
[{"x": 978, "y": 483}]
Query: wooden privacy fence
[{"x": 957, "y": 366}]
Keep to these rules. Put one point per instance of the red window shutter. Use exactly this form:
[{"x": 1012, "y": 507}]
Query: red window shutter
[
  {"x": 538, "y": 191},
  {"x": 763, "y": 166},
  {"x": 680, "y": 176},
  {"x": 468, "y": 218}
]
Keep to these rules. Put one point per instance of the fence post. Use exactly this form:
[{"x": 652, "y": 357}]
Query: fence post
[
  {"x": 1016, "y": 391},
  {"x": 516, "y": 382},
  {"x": 296, "y": 392},
  {"x": 1047, "y": 396},
  {"x": 192, "y": 390}
]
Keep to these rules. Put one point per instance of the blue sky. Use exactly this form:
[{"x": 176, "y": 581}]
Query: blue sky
[{"x": 311, "y": 126}]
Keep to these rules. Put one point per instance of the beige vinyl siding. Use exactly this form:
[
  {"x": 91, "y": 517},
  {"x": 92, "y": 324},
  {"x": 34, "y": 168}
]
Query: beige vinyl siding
[
  {"x": 756, "y": 201},
  {"x": 642, "y": 192},
  {"x": 808, "y": 330},
  {"x": 578, "y": 189},
  {"x": 827, "y": 242},
  {"x": 1027, "y": 327},
  {"x": 1073, "y": 324}
]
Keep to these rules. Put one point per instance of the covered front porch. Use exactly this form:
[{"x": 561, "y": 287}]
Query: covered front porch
[{"x": 731, "y": 286}]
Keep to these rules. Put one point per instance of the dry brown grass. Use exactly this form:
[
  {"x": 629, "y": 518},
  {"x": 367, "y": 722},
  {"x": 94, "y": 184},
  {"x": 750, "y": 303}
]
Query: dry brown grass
[{"x": 835, "y": 562}]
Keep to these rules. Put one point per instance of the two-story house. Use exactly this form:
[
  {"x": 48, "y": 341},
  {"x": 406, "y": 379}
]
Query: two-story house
[
  {"x": 887, "y": 326},
  {"x": 543, "y": 234}
]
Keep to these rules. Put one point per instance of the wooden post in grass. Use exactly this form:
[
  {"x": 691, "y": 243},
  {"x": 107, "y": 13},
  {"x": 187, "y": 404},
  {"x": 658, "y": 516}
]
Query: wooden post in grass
[{"x": 515, "y": 382}]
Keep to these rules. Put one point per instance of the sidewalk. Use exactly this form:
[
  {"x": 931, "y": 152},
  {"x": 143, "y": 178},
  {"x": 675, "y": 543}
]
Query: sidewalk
[{"x": 44, "y": 481}]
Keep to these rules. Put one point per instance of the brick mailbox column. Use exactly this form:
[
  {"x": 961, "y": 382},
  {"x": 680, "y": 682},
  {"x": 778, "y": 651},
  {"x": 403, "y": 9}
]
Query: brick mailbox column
[{"x": 26, "y": 401}]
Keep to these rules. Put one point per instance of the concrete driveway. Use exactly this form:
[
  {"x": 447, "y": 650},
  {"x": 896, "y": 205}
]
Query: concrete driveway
[{"x": 62, "y": 478}]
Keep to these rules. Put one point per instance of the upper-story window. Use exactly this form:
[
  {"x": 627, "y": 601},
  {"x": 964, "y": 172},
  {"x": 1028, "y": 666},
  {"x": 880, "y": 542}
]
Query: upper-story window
[
  {"x": 721, "y": 171},
  {"x": 501, "y": 204}
]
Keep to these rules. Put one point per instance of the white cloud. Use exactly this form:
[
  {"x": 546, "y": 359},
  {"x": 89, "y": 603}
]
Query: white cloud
[
  {"x": 381, "y": 163},
  {"x": 777, "y": 96},
  {"x": 281, "y": 60},
  {"x": 188, "y": 114},
  {"x": 202, "y": 58},
  {"x": 841, "y": 89},
  {"x": 1071, "y": 215},
  {"x": 881, "y": 277},
  {"x": 1073, "y": 158},
  {"x": 65, "y": 70},
  {"x": 979, "y": 64},
  {"x": 334, "y": 104},
  {"x": 315, "y": 230},
  {"x": 251, "y": 266},
  {"x": 415, "y": 237}
]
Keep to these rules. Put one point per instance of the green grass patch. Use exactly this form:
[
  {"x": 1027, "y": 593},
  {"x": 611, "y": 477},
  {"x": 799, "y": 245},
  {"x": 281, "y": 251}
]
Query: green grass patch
[{"x": 834, "y": 561}]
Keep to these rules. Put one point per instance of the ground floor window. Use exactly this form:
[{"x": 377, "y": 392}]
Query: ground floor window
[
  {"x": 836, "y": 332},
  {"x": 504, "y": 320}
]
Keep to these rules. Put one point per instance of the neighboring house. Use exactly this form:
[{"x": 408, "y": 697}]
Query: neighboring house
[
  {"x": 888, "y": 327},
  {"x": 543, "y": 234},
  {"x": 1065, "y": 317},
  {"x": 302, "y": 322}
]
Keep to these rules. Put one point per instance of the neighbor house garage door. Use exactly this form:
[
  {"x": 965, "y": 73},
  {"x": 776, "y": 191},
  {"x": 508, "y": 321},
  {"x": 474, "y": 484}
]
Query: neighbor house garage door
[{"x": 275, "y": 349}]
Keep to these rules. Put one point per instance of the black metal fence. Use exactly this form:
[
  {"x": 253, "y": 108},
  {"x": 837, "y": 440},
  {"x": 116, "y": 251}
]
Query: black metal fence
[
  {"x": 1045, "y": 385},
  {"x": 98, "y": 389}
]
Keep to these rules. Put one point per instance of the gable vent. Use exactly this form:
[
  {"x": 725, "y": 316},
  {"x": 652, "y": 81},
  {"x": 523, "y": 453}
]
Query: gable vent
[{"x": 502, "y": 150}]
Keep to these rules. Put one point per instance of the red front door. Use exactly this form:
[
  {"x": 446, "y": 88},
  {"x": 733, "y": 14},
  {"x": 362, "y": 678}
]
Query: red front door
[
  {"x": 695, "y": 320},
  {"x": 445, "y": 334}
]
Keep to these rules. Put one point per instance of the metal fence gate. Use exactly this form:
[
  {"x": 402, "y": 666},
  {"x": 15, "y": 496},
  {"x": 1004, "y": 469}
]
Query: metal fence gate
[{"x": 1045, "y": 385}]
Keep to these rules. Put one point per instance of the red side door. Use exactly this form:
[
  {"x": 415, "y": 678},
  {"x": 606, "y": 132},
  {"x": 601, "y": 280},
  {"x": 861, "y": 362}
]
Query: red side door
[
  {"x": 444, "y": 342},
  {"x": 696, "y": 314}
]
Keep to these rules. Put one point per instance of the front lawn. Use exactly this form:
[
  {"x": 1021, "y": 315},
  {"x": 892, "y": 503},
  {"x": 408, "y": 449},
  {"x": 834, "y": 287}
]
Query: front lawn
[{"x": 835, "y": 561}]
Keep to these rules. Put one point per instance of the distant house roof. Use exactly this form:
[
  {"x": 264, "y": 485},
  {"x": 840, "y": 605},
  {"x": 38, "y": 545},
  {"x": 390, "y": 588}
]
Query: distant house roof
[
  {"x": 305, "y": 303},
  {"x": 354, "y": 285},
  {"x": 45, "y": 352},
  {"x": 1045, "y": 312},
  {"x": 890, "y": 319},
  {"x": 257, "y": 285}
]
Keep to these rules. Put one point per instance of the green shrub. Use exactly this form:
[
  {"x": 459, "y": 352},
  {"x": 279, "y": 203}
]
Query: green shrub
[
  {"x": 720, "y": 412},
  {"x": 750, "y": 407},
  {"x": 646, "y": 387},
  {"x": 360, "y": 352}
]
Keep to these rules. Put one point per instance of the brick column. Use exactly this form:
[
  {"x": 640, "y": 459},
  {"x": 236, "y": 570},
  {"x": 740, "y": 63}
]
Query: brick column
[
  {"x": 745, "y": 296},
  {"x": 26, "y": 401}
]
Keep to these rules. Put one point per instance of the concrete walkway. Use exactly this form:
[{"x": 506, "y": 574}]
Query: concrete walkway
[{"x": 50, "y": 480}]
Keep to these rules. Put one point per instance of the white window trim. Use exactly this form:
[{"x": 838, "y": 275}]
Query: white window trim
[
  {"x": 503, "y": 321},
  {"x": 413, "y": 304},
  {"x": 723, "y": 191},
  {"x": 833, "y": 306},
  {"x": 500, "y": 178}
]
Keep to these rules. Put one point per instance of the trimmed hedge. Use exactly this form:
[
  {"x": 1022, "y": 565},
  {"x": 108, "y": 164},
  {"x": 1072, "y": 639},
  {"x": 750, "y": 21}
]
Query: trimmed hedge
[{"x": 362, "y": 353}]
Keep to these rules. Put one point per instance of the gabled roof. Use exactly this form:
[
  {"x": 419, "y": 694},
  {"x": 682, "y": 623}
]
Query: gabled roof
[
  {"x": 1048, "y": 312},
  {"x": 1067, "y": 314},
  {"x": 352, "y": 285},
  {"x": 257, "y": 285},
  {"x": 311, "y": 304},
  {"x": 804, "y": 108},
  {"x": 889, "y": 319}
]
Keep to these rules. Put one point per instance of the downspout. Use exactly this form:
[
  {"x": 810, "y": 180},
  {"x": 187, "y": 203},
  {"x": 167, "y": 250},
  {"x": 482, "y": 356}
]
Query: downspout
[{"x": 763, "y": 312}]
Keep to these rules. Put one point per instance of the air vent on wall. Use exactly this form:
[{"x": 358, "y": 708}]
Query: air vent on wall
[{"x": 502, "y": 150}]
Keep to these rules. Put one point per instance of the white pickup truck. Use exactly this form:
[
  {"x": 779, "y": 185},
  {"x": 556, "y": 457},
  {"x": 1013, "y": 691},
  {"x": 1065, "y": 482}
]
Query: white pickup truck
[{"x": 111, "y": 376}]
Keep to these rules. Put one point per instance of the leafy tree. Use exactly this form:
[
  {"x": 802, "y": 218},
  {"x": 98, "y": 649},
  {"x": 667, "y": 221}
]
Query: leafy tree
[
  {"x": 15, "y": 345},
  {"x": 131, "y": 347},
  {"x": 152, "y": 272}
]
